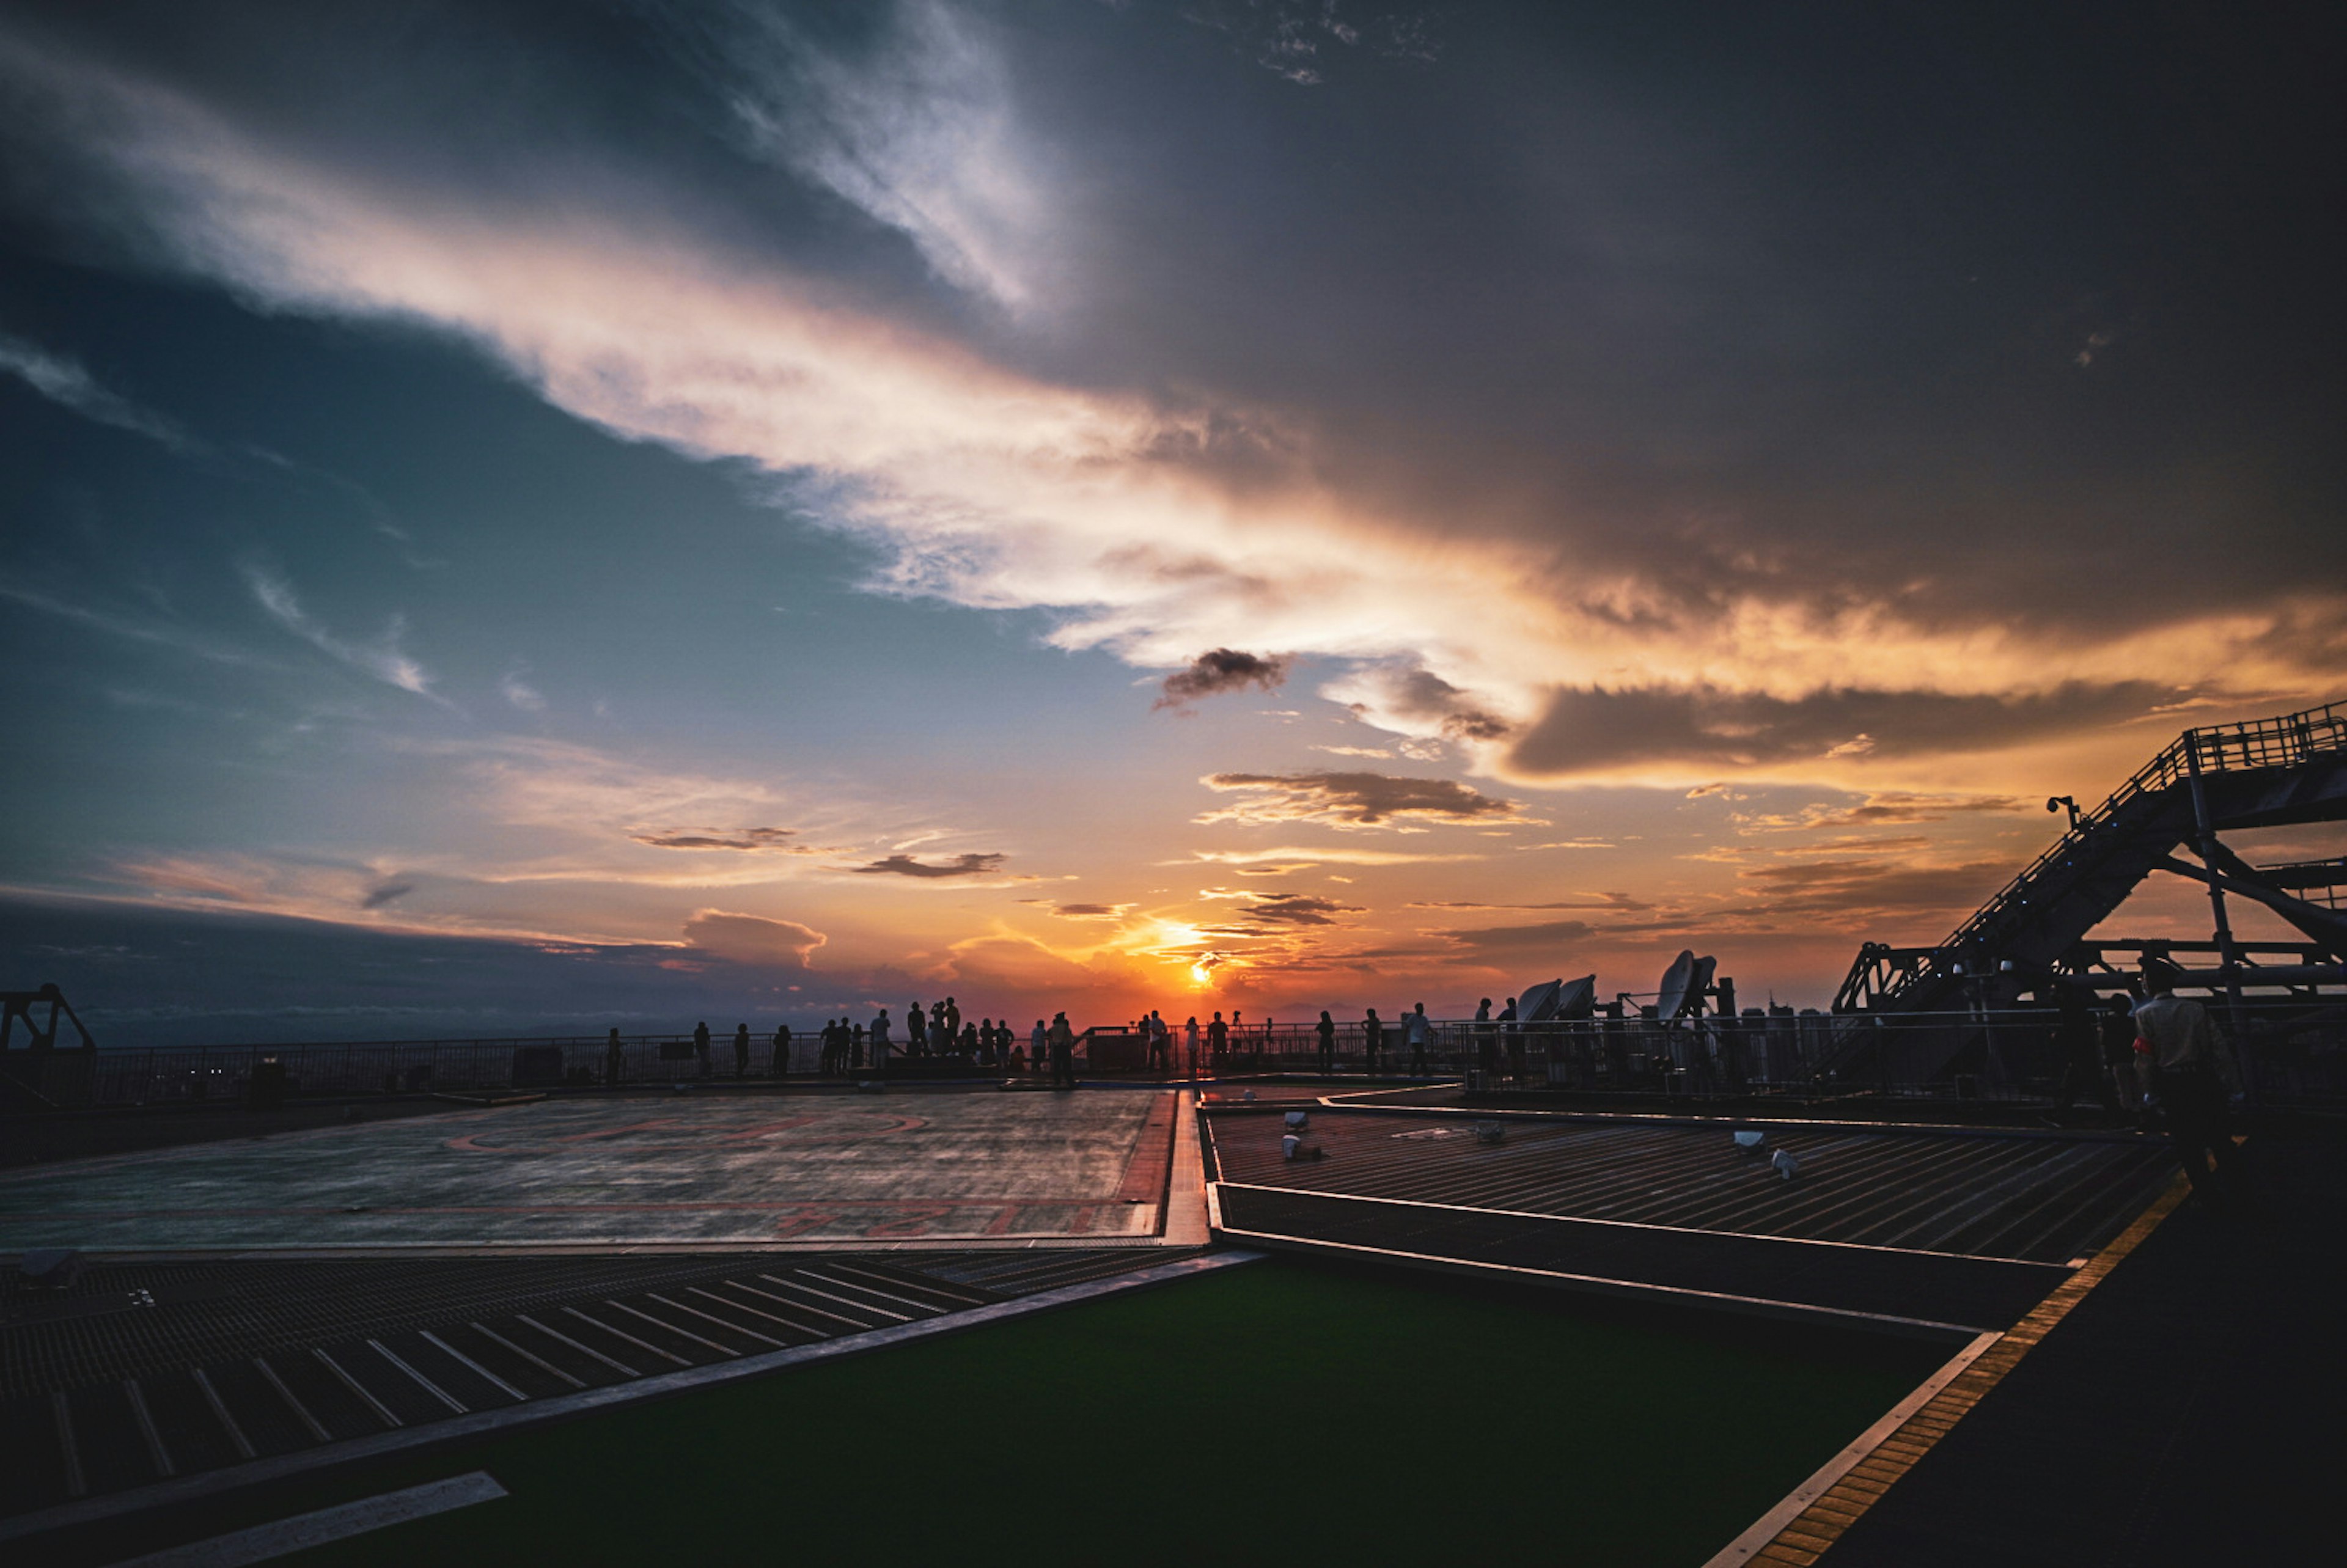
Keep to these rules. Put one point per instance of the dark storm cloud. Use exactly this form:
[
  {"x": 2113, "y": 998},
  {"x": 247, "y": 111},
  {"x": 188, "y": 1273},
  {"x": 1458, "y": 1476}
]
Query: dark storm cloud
[
  {"x": 751, "y": 838},
  {"x": 906, "y": 865},
  {"x": 1763, "y": 300},
  {"x": 1223, "y": 670},
  {"x": 1355, "y": 800},
  {"x": 1584, "y": 731}
]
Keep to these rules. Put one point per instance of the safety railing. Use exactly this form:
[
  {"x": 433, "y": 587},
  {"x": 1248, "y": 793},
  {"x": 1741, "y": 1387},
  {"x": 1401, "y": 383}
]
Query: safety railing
[{"x": 2294, "y": 1054}]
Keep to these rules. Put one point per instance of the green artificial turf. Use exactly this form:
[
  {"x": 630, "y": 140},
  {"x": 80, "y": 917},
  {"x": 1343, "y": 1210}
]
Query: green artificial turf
[{"x": 1277, "y": 1411}]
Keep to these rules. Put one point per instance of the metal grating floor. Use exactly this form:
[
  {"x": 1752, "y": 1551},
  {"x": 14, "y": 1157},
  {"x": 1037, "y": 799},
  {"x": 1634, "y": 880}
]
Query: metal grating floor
[
  {"x": 142, "y": 1372},
  {"x": 2038, "y": 1199}
]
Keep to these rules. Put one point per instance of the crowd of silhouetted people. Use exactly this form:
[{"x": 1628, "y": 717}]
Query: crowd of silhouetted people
[{"x": 938, "y": 1034}]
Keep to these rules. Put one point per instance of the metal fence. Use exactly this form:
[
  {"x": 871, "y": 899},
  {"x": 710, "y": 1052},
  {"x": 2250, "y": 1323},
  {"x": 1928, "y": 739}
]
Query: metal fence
[
  {"x": 225, "y": 1073},
  {"x": 2291, "y": 1055}
]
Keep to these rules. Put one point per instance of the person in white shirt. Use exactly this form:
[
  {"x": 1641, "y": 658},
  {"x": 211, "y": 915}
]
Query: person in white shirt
[{"x": 2175, "y": 1055}]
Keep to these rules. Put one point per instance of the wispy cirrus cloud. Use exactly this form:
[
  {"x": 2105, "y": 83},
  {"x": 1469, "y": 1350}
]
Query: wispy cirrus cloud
[
  {"x": 384, "y": 659},
  {"x": 66, "y": 382}
]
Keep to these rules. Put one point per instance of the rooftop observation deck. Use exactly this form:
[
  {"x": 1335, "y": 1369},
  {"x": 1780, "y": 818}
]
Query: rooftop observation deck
[{"x": 250, "y": 1311}]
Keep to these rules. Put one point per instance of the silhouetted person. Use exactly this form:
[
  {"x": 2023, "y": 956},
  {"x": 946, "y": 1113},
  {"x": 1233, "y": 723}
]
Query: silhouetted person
[
  {"x": 1513, "y": 1039},
  {"x": 781, "y": 1063},
  {"x": 1486, "y": 1039},
  {"x": 1190, "y": 1039},
  {"x": 1373, "y": 1039},
  {"x": 2118, "y": 1050},
  {"x": 949, "y": 1018},
  {"x": 742, "y": 1051},
  {"x": 2078, "y": 1035},
  {"x": 615, "y": 1060},
  {"x": 1327, "y": 1030},
  {"x": 266, "y": 1088},
  {"x": 1161, "y": 1045},
  {"x": 878, "y": 1038},
  {"x": 2177, "y": 1047},
  {"x": 916, "y": 1031},
  {"x": 857, "y": 1047},
  {"x": 701, "y": 1045},
  {"x": 969, "y": 1047},
  {"x": 1039, "y": 1040},
  {"x": 1218, "y": 1042},
  {"x": 1062, "y": 1042}
]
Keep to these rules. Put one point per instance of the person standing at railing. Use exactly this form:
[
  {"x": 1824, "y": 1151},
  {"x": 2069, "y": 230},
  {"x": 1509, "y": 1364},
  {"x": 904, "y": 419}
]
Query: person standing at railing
[
  {"x": 1415, "y": 1029},
  {"x": 1373, "y": 1041},
  {"x": 2118, "y": 1048},
  {"x": 741, "y": 1050},
  {"x": 1062, "y": 1039},
  {"x": 1218, "y": 1042},
  {"x": 780, "y": 1064},
  {"x": 1190, "y": 1039},
  {"x": 2176, "y": 1047},
  {"x": 1327, "y": 1030},
  {"x": 2079, "y": 1038},
  {"x": 1161, "y": 1045},
  {"x": 1513, "y": 1039},
  {"x": 615, "y": 1060},
  {"x": 701, "y": 1045},
  {"x": 878, "y": 1039},
  {"x": 1487, "y": 1045}
]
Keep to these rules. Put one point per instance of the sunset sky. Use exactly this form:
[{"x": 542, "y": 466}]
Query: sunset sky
[{"x": 522, "y": 517}]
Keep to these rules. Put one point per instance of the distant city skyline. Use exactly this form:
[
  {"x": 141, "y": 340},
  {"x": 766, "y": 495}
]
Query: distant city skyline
[{"x": 522, "y": 517}]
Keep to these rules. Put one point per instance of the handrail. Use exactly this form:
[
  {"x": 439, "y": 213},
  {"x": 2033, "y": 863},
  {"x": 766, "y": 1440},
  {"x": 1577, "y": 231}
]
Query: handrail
[{"x": 2284, "y": 741}]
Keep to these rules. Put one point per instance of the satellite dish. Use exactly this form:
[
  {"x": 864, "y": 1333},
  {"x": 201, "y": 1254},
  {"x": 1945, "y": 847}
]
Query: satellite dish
[
  {"x": 1578, "y": 999},
  {"x": 1705, "y": 968},
  {"x": 1538, "y": 1003},
  {"x": 1677, "y": 981}
]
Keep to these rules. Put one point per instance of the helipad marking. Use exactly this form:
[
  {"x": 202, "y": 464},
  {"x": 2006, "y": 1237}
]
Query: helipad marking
[{"x": 303, "y": 1531}]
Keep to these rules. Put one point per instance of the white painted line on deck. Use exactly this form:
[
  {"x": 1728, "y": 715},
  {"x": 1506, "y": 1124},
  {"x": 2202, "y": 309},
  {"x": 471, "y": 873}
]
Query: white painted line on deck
[
  {"x": 480, "y": 1423},
  {"x": 303, "y": 1531}
]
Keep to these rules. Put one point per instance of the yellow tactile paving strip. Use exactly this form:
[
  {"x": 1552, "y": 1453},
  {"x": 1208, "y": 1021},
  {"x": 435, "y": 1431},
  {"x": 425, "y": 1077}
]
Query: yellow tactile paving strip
[{"x": 1819, "y": 1525}]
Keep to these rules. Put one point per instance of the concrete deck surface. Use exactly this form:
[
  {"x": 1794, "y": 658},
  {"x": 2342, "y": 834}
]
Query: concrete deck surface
[{"x": 704, "y": 1168}]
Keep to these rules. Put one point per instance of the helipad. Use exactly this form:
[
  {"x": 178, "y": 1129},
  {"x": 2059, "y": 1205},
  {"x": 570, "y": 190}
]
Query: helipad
[{"x": 943, "y": 1164}]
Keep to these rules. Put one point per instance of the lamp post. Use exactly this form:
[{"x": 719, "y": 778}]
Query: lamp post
[{"x": 2059, "y": 802}]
